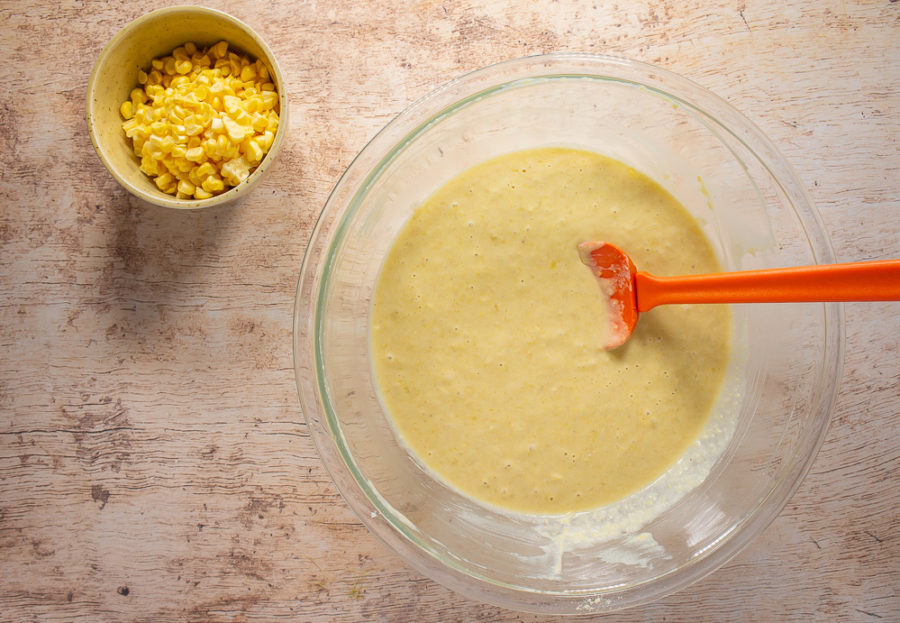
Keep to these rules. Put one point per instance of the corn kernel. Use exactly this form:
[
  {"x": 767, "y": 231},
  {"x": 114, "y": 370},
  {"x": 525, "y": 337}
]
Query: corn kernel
[
  {"x": 231, "y": 103},
  {"x": 195, "y": 154},
  {"x": 269, "y": 99},
  {"x": 164, "y": 180},
  {"x": 248, "y": 73},
  {"x": 149, "y": 166},
  {"x": 220, "y": 49},
  {"x": 138, "y": 96},
  {"x": 186, "y": 187},
  {"x": 138, "y": 135},
  {"x": 209, "y": 148},
  {"x": 236, "y": 170},
  {"x": 206, "y": 169},
  {"x": 234, "y": 129},
  {"x": 167, "y": 143},
  {"x": 252, "y": 151},
  {"x": 219, "y": 88},
  {"x": 243, "y": 118},
  {"x": 260, "y": 123},
  {"x": 213, "y": 184},
  {"x": 201, "y": 120},
  {"x": 169, "y": 65},
  {"x": 191, "y": 127},
  {"x": 233, "y": 151},
  {"x": 265, "y": 141}
]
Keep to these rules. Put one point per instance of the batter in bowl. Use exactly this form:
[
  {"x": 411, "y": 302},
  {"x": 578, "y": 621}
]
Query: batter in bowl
[{"x": 487, "y": 334}]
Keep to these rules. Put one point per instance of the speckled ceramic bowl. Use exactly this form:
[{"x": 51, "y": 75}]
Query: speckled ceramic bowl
[
  {"x": 115, "y": 75},
  {"x": 765, "y": 427}
]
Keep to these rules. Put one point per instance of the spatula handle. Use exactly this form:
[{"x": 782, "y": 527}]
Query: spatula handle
[{"x": 861, "y": 281}]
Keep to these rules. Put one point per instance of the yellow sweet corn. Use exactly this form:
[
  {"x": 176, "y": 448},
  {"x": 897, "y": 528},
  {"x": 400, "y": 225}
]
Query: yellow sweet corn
[
  {"x": 260, "y": 123},
  {"x": 231, "y": 103},
  {"x": 252, "y": 151},
  {"x": 195, "y": 154},
  {"x": 234, "y": 129},
  {"x": 220, "y": 49},
  {"x": 242, "y": 117},
  {"x": 164, "y": 181},
  {"x": 200, "y": 120},
  {"x": 169, "y": 66},
  {"x": 248, "y": 73},
  {"x": 205, "y": 170},
  {"x": 186, "y": 188},
  {"x": 236, "y": 170},
  {"x": 213, "y": 184}
]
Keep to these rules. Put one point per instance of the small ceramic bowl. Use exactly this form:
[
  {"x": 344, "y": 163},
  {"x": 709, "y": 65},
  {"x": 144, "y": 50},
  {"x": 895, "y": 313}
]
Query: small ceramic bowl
[{"x": 115, "y": 75}]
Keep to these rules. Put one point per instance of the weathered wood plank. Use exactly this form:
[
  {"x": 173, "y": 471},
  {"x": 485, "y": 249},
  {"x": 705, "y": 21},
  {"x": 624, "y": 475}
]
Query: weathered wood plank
[{"x": 154, "y": 463}]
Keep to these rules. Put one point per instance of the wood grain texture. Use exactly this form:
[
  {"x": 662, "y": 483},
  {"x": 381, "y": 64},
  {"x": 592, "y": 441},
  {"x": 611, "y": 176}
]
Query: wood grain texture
[{"x": 154, "y": 462}]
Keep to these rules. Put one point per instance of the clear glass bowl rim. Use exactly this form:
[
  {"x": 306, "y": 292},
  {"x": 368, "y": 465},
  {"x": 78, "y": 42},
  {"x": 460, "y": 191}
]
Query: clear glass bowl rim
[{"x": 380, "y": 151}]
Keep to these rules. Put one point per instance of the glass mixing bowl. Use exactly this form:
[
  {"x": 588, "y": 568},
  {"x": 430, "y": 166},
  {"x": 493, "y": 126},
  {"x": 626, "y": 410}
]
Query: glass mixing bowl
[{"x": 769, "y": 419}]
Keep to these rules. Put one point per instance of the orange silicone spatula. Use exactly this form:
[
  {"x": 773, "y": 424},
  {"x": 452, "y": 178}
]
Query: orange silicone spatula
[{"x": 631, "y": 292}]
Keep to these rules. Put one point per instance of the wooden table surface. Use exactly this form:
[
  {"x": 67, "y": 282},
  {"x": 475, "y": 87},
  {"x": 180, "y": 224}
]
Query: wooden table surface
[{"x": 154, "y": 460}]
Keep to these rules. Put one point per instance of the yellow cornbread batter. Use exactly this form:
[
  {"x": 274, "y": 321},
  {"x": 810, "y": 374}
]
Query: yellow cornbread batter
[{"x": 487, "y": 334}]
